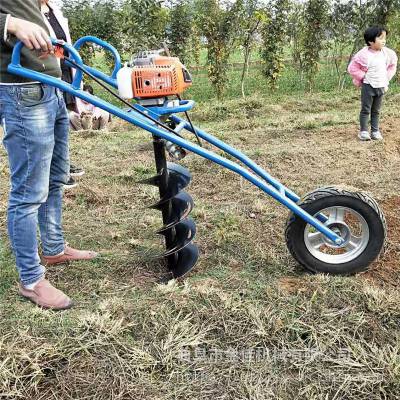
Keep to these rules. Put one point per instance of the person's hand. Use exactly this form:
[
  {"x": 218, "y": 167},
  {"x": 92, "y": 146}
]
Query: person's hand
[
  {"x": 33, "y": 36},
  {"x": 386, "y": 89}
]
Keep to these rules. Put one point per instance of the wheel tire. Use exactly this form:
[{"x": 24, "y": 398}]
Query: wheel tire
[{"x": 326, "y": 197}]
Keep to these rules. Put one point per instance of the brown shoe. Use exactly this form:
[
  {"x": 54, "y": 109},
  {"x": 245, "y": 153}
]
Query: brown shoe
[
  {"x": 45, "y": 295},
  {"x": 69, "y": 254}
]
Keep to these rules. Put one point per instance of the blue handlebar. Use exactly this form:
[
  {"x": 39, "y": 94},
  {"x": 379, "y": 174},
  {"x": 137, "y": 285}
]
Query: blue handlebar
[
  {"x": 92, "y": 39},
  {"x": 16, "y": 67},
  {"x": 73, "y": 51}
]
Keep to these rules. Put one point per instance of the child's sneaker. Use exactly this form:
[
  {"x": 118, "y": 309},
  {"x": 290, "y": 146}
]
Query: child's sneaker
[
  {"x": 376, "y": 135},
  {"x": 364, "y": 135}
]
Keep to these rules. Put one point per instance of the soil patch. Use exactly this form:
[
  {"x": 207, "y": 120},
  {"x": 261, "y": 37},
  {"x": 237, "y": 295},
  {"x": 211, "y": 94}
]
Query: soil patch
[{"x": 386, "y": 270}]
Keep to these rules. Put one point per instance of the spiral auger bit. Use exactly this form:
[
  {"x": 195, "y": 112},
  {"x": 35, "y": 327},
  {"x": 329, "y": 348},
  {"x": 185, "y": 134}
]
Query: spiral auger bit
[{"x": 175, "y": 205}]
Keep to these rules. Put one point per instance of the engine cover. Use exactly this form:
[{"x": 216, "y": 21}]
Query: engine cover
[{"x": 159, "y": 76}]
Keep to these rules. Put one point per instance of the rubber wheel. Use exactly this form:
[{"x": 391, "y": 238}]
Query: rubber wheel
[{"x": 356, "y": 216}]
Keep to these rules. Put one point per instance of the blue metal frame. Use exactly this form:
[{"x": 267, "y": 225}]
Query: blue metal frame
[
  {"x": 258, "y": 177},
  {"x": 111, "y": 80}
]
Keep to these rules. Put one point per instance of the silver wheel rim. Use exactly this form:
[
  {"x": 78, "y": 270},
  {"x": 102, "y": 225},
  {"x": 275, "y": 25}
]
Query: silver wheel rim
[{"x": 348, "y": 224}]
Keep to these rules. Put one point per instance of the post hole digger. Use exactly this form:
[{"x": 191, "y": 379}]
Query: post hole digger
[{"x": 329, "y": 230}]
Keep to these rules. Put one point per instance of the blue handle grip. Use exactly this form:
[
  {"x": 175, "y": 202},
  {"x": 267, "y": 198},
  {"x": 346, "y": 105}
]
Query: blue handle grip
[{"x": 15, "y": 64}]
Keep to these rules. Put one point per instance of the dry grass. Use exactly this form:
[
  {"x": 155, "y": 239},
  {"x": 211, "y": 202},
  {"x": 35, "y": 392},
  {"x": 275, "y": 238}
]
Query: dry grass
[{"x": 247, "y": 323}]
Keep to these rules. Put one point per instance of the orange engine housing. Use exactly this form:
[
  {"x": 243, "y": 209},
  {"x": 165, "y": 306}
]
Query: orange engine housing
[{"x": 164, "y": 76}]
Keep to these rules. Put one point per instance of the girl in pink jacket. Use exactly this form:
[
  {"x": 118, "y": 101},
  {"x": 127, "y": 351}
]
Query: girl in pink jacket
[{"x": 371, "y": 69}]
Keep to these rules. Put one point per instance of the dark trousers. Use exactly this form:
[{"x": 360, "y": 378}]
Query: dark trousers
[{"x": 371, "y": 102}]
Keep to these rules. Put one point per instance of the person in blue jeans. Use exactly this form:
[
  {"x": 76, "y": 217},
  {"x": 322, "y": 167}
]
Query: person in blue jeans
[{"x": 35, "y": 128}]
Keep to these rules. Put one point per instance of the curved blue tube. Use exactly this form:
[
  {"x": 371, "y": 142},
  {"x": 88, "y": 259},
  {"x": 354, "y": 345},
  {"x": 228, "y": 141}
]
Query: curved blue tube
[
  {"x": 92, "y": 39},
  {"x": 16, "y": 59},
  {"x": 240, "y": 156}
]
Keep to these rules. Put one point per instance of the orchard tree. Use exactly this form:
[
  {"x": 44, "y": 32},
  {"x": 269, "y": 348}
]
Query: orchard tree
[
  {"x": 314, "y": 36},
  {"x": 385, "y": 9},
  {"x": 394, "y": 34},
  {"x": 253, "y": 17},
  {"x": 342, "y": 22},
  {"x": 80, "y": 16},
  {"x": 295, "y": 30},
  {"x": 180, "y": 29},
  {"x": 144, "y": 24},
  {"x": 218, "y": 22},
  {"x": 274, "y": 34},
  {"x": 100, "y": 18},
  {"x": 195, "y": 44}
]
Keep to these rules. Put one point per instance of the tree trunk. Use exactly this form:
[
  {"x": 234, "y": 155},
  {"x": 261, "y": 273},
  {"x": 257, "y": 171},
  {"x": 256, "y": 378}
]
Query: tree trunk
[{"x": 245, "y": 69}]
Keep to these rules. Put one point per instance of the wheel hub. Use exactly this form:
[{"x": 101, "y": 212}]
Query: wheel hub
[
  {"x": 349, "y": 225},
  {"x": 342, "y": 230}
]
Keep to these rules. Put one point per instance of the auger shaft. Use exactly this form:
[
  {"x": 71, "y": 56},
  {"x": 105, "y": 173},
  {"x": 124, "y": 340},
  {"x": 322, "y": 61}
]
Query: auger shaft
[{"x": 162, "y": 172}]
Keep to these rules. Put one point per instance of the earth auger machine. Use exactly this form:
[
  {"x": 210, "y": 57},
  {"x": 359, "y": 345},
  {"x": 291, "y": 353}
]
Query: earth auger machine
[{"x": 330, "y": 230}]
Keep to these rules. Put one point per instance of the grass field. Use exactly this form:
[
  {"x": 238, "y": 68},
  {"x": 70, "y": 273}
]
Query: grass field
[{"x": 248, "y": 322}]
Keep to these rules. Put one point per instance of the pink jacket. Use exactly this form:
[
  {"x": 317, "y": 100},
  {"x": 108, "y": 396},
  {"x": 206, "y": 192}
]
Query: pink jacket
[{"x": 358, "y": 66}]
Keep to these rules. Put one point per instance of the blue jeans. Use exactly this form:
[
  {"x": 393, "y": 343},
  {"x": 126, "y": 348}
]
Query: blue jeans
[{"x": 35, "y": 124}]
